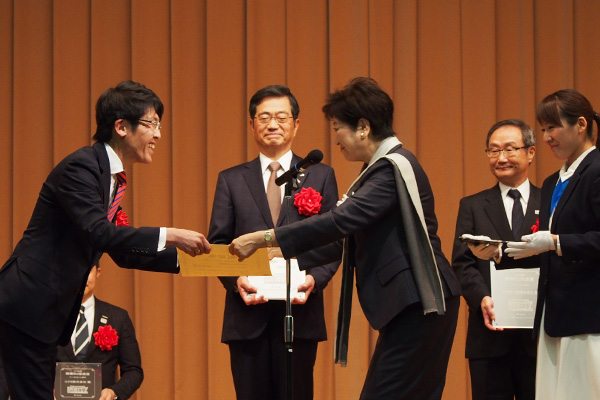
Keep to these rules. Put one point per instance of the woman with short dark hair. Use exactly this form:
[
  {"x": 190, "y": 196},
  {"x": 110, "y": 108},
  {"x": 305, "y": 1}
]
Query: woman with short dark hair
[{"x": 388, "y": 230}]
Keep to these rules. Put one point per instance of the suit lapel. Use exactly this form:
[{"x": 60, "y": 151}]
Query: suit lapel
[
  {"x": 494, "y": 208},
  {"x": 533, "y": 210},
  {"x": 570, "y": 188},
  {"x": 300, "y": 179},
  {"x": 99, "y": 312},
  {"x": 104, "y": 171},
  {"x": 256, "y": 186}
]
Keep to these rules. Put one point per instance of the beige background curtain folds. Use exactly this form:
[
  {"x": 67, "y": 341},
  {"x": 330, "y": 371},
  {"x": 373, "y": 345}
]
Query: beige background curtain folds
[{"x": 452, "y": 67}]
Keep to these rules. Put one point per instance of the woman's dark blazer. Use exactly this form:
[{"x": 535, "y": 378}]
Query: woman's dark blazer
[
  {"x": 371, "y": 220},
  {"x": 569, "y": 286}
]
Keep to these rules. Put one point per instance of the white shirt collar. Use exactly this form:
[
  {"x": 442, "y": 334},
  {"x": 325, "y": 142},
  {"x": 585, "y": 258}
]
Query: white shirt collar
[
  {"x": 524, "y": 188},
  {"x": 285, "y": 161},
  {"x": 116, "y": 165},
  {"x": 565, "y": 173},
  {"x": 89, "y": 303}
]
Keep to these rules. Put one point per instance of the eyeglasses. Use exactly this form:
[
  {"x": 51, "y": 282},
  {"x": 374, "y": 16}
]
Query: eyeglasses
[
  {"x": 155, "y": 124},
  {"x": 508, "y": 152},
  {"x": 280, "y": 118}
]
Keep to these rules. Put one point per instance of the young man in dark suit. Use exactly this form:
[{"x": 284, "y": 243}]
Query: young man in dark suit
[
  {"x": 125, "y": 354},
  {"x": 501, "y": 362},
  {"x": 72, "y": 225},
  {"x": 252, "y": 327}
]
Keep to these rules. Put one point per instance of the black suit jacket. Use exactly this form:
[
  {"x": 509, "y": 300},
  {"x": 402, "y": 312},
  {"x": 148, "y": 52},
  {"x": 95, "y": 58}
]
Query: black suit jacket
[
  {"x": 126, "y": 354},
  {"x": 240, "y": 207},
  {"x": 42, "y": 283},
  {"x": 3, "y": 385},
  {"x": 484, "y": 214},
  {"x": 371, "y": 220},
  {"x": 570, "y": 285}
]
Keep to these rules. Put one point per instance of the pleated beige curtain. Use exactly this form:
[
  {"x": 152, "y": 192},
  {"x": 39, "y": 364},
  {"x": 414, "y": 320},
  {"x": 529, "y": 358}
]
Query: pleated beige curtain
[{"x": 452, "y": 67}]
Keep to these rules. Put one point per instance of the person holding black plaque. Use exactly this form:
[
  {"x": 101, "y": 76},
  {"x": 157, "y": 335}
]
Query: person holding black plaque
[
  {"x": 89, "y": 346},
  {"x": 501, "y": 362}
]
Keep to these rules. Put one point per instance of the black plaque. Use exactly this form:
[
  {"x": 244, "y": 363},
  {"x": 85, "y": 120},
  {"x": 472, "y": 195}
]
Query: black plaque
[{"x": 78, "y": 381}]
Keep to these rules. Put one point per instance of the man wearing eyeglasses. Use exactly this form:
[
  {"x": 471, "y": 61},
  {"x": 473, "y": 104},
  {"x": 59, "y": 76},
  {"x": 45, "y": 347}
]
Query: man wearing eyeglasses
[
  {"x": 501, "y": 362},
  {"x": 252, "y": 326},
  {"x": 77, "y": 218}
]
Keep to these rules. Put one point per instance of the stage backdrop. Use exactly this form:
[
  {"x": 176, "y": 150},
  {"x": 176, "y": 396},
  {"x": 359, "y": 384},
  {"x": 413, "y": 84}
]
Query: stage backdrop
[{"x": 452, "y": 67}]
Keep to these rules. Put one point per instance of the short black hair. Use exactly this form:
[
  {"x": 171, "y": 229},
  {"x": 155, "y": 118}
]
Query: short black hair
[
  {"x": 362, "y": 98},
  {"x": 273, "y": 91},
  {"x": 129, "y": 100},
  {"x": 526, "y": 132}
]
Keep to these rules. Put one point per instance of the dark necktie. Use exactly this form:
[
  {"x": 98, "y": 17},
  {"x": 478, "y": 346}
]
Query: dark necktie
[
  {"x": 82, "y": 336},
  {"x": 274, "y": 193},
  {"x": 517, "y": 213},
  {"x": 121, "y": 185},
  {"x": 558, "y": 191}
]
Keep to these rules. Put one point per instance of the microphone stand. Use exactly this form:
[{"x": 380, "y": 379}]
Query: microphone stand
[{"x": 292, "y": 183}]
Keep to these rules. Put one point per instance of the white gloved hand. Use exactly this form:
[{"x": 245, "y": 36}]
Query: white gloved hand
[{"x": 531, "y": 245}]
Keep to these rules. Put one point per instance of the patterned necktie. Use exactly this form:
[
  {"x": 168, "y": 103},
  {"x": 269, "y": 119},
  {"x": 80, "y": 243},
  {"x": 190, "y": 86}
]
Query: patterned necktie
[
  {"x": 121, "y": 185},
  {"x": 517, "y": 213},
  {"x": 82, "y": 336},
  {"x": 558, "y": 191},
  {"x": 274, "y": 193}
]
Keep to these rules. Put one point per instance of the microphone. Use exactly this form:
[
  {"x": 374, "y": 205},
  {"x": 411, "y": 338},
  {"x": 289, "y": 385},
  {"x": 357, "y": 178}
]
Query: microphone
[{"x": 314, "y": 157}]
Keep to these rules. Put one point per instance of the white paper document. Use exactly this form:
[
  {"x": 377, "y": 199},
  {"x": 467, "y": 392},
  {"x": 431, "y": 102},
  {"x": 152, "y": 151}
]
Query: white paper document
[
  {"x": 274, "y": 287},
  {"x": 515, "y": 294}
]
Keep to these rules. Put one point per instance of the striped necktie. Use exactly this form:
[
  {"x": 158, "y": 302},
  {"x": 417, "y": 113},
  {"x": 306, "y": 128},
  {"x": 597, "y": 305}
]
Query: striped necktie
[
  {"x": 82, "y": 336},
  {"x": 121, "y": 185}
]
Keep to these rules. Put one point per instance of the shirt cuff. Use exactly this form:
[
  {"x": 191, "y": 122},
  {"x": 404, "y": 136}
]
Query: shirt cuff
[
  {"x": 558, "y": 249},
  {"x": 162, "y": 239}
]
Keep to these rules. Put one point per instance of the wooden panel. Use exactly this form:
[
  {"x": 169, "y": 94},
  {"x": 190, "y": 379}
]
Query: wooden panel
[
  {"x": 439, "y": 109},
  {"x": 479, "y": 91},
  {"x": 71, "y": 80},
  {"x": 6, "y": 139},
  {"x": 227, "y": 145},
  {"x": 32, "y": 106},
  {"x": 188, "y": 83},
  {"x": 404, "y": 92}
]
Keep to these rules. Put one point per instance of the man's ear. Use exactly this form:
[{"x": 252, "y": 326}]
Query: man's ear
[
  {"x": 122, "y": 126},
  {"x": 530, "y": 153}
]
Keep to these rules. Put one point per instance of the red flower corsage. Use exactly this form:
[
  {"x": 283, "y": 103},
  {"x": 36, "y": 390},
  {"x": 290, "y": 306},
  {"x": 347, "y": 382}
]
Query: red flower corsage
[
  {"x": 121, "y": 219},
  {"x": 308, "y": 201},
  {"x": 536, "y": 227},
  {"x": 106, "y": 337}
]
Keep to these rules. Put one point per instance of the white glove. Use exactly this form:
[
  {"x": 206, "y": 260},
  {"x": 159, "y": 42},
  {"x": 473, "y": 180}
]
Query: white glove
[{"x": 531, "y": 245}]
